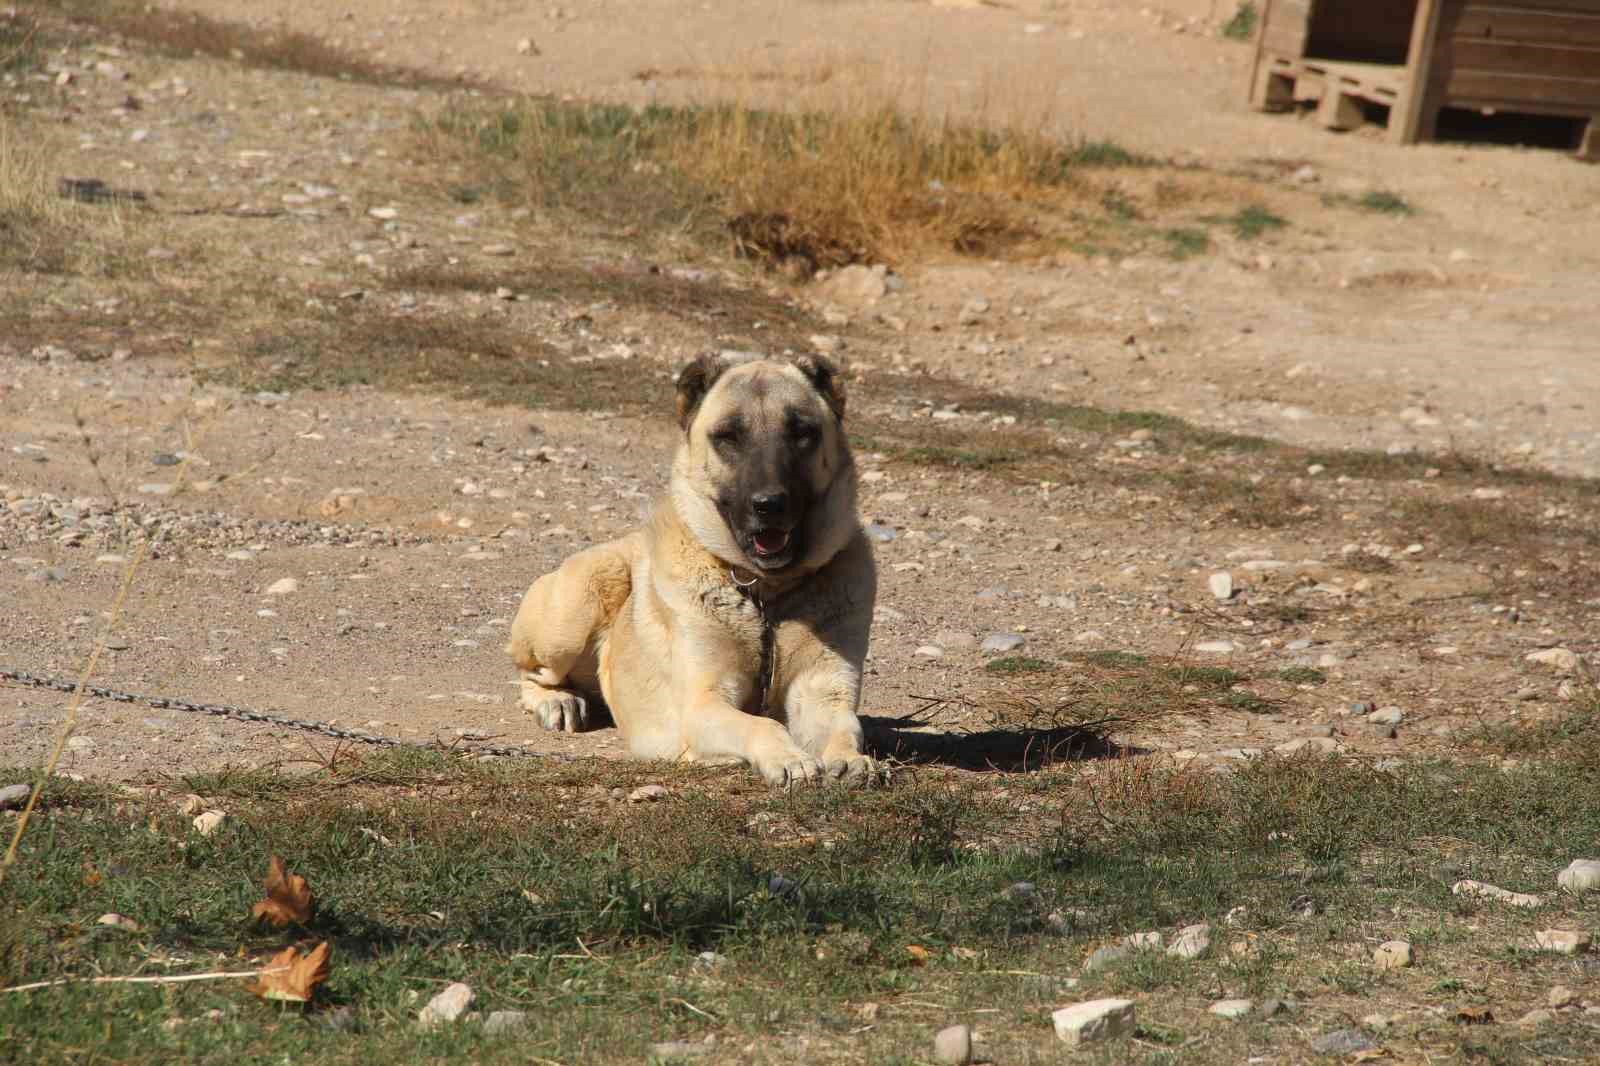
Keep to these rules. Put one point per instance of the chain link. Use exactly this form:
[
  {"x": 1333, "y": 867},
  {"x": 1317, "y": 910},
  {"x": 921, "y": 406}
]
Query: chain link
[{"x": 244, "y": 714}]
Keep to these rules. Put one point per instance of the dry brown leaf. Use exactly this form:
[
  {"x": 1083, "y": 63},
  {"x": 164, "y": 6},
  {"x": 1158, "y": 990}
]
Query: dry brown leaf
[
  {"x": 1475, "y": 1016},
  {"x": 1371, "y": 1054},
  {"x": 292, "y": 977},
  {"x": 288, "y": 897},
  {"x": 918, "y": 953}
]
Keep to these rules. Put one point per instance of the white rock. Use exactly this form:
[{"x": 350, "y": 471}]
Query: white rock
[
  {"x": 14, "y": 796},
  {"x": 505, "y": 1021},
  {"x": 1560, "y": 997},
  {"x": 1559, "y": 658},
  {"x": 1387, "y": 716},
  {"x": 1221, "y": 584},
  {"x": 1000, "y": 643},
  {"x": 283, "y": 587},
  {"x": 953, "y": 1045},
  {"x": 1494, "y": 892},
  {"x": 853, "y": 286},
  {"x": 1216, "y": 647},
  {"x": 647, "y": 793},
  {"x": 1392, "y": 955},
  {"x": 1581, "y": 875},
  {"x": 447, "y": 1006},
  {"x": 1191, "y": 942},
  {"x": 383, "y": 213},
  {"x": 929, "y": 651},
  {"x": 209, "y": 822},
  {"x": 118, "y": 921},
  {"x": 1144, "y": 941},
  {"x": 1562, "y": 941},
  {"x": 1098, "y": 1019},
  {"x": 1230, "y": 1008}
]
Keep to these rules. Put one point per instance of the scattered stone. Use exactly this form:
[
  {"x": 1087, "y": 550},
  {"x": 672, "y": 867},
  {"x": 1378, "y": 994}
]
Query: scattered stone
[
  {"x": 505, "y": 1021},
  {"x": 1494, "y": 892},
  {"x": 1216, "y": 647},
  {"x": 972, "y": 311},
  {"x": 1093, "y": 1021},
  {"x": 1561, "y": 659},
  {"x": 1380, "y": 1022},
  {"x": 1143, "y": 941},
  {"x": 929, "y": 651},
  {"x": 14, "y": 796},
  {"x": 1342, "y": 1042},
  {"x": 118, "y": 921},
  {"x": 48, "y": 575},
  {"x": 1191, "y": 942},
  {"x": 1230, "y": 1008},
  {"x": 880, "y": 533},
  {"x": 1562, "y": 941},
  {"x": 283, "y": 587},
  {"x": 81, "y": 744},
  {"x": 383, "y": 214},
  {"x": 1581, "y": 875},
  {"x": 953, "y": 1045},
  {"x": 1535, "y": 1018},
  {"x": 1222, "y": 585},
  {"x": 1100, "y": 958},
  {"x": 647, "y": 794},
  {"x": 1561, "y": 997},
  {"x": 499, "y": 249},
  {"x": 709, "y": 960},
  {"x": 191, "y": 805},
  {"x": 955, "y": 640},
  {"x": 447, "y": 1006},
  {"x": 854, "y": 286},
  {"x": 1000, "y": 643},
  {"x": 1393, "y": 955},
  {"x": 678, "y": 1049},
  {"x": 1387, "y": 716},
  {"x": 1271, "y": 1008},
  {"x": 209, "y": 822}
]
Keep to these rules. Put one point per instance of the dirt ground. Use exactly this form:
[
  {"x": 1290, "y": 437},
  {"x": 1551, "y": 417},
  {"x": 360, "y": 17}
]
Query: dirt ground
[{"x": 412, "y": 522}]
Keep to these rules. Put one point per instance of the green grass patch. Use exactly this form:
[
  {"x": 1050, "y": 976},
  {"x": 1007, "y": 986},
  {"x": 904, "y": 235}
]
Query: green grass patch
[
  {"x": 1241, "y": 25},
  {"x": 1009, "y": 665},
  {"x": 1184, "y": 242},
  {"x": 1303, "y": 675},
  {"x": 1379, "y": 201},
  {"x": 530, "y": 883},
  {"x": 1252, "y": 221}
]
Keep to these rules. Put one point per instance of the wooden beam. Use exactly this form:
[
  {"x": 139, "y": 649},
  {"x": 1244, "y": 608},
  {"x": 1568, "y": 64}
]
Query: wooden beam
[
  {"x": 1405, "y": 118},
  {"x": 1589, "y": 147},
  {"x": 1261, "y": 41}
]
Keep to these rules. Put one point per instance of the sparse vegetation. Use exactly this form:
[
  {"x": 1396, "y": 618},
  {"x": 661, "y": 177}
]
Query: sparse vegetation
[
  {"x": 1186, "y": 241},
  {"x": 1303, "y": 675},
  {"x": 1380, "y": 201},
  {"x": 1016, "y": 664},
  {"x": 531, "y": 885},
  {"x": 1241, "y": 25},
  {"x": 1252, "y": 221}
]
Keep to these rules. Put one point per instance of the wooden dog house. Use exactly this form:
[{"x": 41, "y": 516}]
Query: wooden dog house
[{"x": 1417, "y": 57}]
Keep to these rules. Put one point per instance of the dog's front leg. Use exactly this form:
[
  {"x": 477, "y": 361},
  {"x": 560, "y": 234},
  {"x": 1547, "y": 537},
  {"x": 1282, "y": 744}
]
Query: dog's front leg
[
  {"x": 820, "y": 709},
  {"x": 716, "y": 730}
]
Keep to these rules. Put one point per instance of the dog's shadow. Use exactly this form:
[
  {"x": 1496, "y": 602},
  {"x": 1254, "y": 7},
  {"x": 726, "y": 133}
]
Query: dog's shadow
[{"x": 906, "y": 739}]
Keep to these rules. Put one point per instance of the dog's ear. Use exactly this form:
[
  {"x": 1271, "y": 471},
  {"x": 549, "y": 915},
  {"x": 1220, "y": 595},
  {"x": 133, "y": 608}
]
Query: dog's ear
[
  {"x": 694, "y": 381},
  {"x": 826, "y": 379}
]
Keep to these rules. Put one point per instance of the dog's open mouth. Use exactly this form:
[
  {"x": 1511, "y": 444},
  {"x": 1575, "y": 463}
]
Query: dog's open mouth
[{"x": 769, "y": 544}]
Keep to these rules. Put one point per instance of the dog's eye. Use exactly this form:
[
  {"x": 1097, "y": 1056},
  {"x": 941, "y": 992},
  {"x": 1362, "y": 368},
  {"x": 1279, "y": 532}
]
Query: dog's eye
[
  {"x": 805, "y": 438},
  {"x": 725, "y": 440}
]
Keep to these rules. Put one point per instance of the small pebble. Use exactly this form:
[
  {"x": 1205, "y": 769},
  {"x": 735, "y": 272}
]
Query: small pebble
[
  {"x": 953, "y": 1045},
  {"x": 447, "y": 1006},
  {"x": 1393, "y": 955}
]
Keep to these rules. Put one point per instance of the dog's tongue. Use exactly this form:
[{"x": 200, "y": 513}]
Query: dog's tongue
[{"x": 770, "y": 541}]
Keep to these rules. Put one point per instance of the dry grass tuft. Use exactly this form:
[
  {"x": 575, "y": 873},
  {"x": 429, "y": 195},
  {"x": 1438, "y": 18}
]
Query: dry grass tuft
[
  {"x": 859, "y": 181},
  {"x": 37, "y": 227}
]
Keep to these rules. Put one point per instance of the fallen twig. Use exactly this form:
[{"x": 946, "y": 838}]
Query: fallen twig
[{"x": 169, "y": 979}]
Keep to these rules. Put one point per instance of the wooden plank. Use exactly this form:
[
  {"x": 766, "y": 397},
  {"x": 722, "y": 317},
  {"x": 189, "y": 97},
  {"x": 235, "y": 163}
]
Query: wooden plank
[
  {"x": 1339, "y": 110},
  {"x": 1512, "y": 57},
  {"x": 1589, "y": 147},
  {"x": 1257, "y": 87},
  {"x": 1532, "y": 27},
  {"x": 1530, "y": 93},
  {"x": 1405, "y": 117}
]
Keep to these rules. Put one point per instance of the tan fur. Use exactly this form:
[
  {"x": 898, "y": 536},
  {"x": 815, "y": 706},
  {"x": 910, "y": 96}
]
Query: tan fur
[{"x": 657, "y": 625}]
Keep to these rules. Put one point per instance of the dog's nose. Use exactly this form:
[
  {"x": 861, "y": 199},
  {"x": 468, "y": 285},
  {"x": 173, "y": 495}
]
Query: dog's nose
[{"x": 769, "y": 504}]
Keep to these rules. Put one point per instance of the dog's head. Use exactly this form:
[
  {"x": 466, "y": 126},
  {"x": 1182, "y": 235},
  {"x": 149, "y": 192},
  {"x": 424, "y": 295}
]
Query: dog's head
[{"x": 764, "y": 476}]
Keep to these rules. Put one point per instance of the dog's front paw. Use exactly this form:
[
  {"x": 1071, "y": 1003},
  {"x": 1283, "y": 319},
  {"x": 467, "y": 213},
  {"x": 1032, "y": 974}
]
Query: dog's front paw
[
  {"x": 790, "y": 769},
  {"x": 855, "y": 770},
  {"x": 561, "y": 712}
]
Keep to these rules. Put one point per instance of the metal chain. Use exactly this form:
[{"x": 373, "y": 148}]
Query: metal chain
[{"x": 244, "y": 714}]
